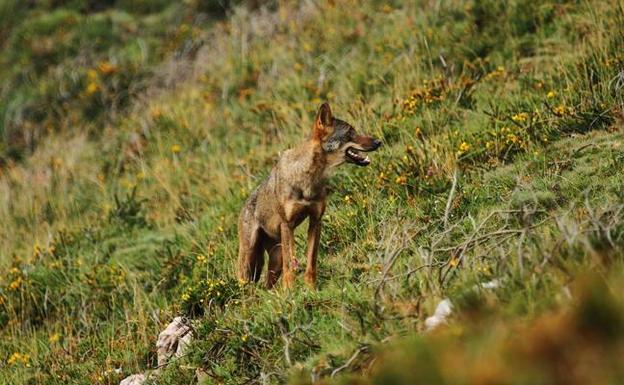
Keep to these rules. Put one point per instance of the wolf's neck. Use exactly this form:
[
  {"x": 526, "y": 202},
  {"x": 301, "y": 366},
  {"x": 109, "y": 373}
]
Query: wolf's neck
[{"x": 306, "y": 166}]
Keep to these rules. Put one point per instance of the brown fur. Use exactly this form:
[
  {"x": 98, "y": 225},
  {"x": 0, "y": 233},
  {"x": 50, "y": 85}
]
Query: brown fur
[{"x": 295, "y": 190}]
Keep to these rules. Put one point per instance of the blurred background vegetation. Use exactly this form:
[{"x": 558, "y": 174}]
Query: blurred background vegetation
[
  {"x": 132, "y": 131},
  {"x": 80, "y": 63}
]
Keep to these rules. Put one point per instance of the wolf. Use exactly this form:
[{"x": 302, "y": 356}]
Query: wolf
[{"x": 295, "y": 190}]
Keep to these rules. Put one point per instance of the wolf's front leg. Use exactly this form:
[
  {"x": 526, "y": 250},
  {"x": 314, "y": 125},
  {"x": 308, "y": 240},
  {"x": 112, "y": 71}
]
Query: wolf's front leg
[
  {"x": 314, "y": 235},
  {"x": 288, "y": 246}
]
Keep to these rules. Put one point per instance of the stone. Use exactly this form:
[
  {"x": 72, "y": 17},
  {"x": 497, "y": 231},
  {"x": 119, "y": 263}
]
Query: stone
[
  {"x": 135, "y": 379},
  {"x": 173, "y": 341},
  {"x": 442, "y": 312}
]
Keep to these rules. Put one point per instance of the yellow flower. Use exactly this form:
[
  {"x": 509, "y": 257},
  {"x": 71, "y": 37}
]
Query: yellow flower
[
  {"x": 201, "y": 258},
  {"x": 185, "y": 297},
  {"x": 347, "y": 198},
  {"x": 386, "y": 8},
  {"x": 92, "y": 88},
  {"x": 156, "y": 113},
  {"x": 107, "y": 68},
  {"x": 176, "y": 148},
  {"x": 520, "y": 117},
  {"x": 559, "y": 110},
  {"x": 17, "y": 358},
  {"x": 92, "y": 74},
  {"x": 401, "y": 180},
  {"x": 511, "y": 138},
  {"x": 15, "y": 284},
  {"x": 551, "y": 94},
  {"x": 498, "y": 72},
  {"x": 489, "y": 145},
  {"x": 245, "y": 337},
  {"x": 464, "y": 147},
  {"x": 54, "y": 338},
  {"x": 14, "y": 358}
]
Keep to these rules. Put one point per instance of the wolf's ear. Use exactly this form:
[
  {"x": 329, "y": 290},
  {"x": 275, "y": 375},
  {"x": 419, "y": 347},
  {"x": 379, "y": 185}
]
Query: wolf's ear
[{"x": 324, "y": 122}]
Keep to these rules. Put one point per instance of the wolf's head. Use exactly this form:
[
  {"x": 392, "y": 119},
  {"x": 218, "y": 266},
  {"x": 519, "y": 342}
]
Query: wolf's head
[{"x": 339, "y": 140}]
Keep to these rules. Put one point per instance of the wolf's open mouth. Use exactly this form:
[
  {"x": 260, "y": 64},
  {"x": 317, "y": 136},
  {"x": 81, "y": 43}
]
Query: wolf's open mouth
[{"x": 354, "y": 156}]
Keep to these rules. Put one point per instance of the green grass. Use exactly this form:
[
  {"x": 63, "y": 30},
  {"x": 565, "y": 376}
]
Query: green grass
[{"x": 125, "y": 163}]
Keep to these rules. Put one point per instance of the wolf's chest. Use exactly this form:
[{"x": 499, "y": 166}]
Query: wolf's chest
[
  {"x": 296, "y": 211},
  {"x": 307, "y": 194}
]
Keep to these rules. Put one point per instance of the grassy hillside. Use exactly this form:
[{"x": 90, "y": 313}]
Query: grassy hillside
[{"x": 133, "y": 132}]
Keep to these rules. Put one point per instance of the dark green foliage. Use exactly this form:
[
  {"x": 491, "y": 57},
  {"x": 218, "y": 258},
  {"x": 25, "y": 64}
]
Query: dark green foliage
[{"x": 129, "y": 210}]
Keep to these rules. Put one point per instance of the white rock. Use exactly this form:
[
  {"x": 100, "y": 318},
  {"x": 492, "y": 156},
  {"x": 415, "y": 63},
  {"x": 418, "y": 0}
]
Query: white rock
[
  {"x": 183, "y": 343},
  {"x": 135, "y": 379},
  {"x": 173, "y": 341},
  {"x": 493, "y": 284},
  {"x": 442, "y": 312}
]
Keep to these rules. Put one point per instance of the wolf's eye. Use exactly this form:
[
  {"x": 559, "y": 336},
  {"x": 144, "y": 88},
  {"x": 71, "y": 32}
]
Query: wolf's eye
[{"x": 331, "y": 145}]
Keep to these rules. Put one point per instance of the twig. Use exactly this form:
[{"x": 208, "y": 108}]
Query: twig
[
  {"x": 449, "y": 201},
  {"x": 460, "y": 250},
  {"x": 348, "y": 363},
  {"x": 472, "y": 240},
  {"x": 170, "y": 361},
  {"x": 520, "y": 253},
  {"x": 394, "y": 256},
  {"x": 286, "y": 349},
  {"x": 408, "y": 273}
]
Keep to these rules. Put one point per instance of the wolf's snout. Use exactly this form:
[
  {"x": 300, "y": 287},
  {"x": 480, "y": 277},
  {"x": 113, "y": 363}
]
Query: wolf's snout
[{"x": 376, "y": 144}]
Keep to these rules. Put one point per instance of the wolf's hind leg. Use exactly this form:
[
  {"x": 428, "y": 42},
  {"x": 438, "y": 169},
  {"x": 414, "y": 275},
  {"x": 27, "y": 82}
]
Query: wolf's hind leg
[
  {"x": 250, "y": 253},
  {"x": 275, "y": 263}
]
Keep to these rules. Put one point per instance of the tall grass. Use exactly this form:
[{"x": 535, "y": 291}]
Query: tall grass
[{"x": 502, "y": 163}]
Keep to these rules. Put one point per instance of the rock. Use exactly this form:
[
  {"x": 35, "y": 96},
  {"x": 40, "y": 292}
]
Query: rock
[
  {"x": 443, "y": 310},
  {"x": 135, "y": 379},
  {"x": 174, "y": 340},
  {"x": 493, "y": 284}
]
